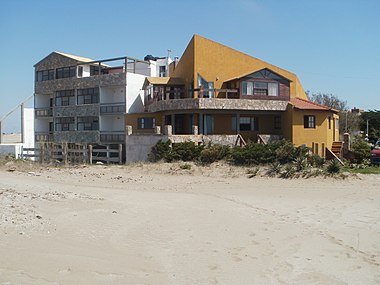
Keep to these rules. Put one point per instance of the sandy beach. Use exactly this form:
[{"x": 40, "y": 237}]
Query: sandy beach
[{"x": 160, "y": 224}]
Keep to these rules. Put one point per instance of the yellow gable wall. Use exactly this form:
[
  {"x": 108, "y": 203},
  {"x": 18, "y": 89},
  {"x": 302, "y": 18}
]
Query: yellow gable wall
[
  {"x": 218, "y": 63},
  {"x": 321, "y": 134}
]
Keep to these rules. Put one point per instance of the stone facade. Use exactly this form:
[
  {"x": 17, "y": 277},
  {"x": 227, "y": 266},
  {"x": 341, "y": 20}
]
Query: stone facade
[
  {"x": 104, "y": 80},
  {"x": 218, "y": 104},
  {"x": 77, "y": 111},
  {"x": 77, "y": 136}
]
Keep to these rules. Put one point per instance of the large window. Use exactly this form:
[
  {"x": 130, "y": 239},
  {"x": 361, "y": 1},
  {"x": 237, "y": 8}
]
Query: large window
[
  {"x": 88, "y": 124},
  {"x": 146, "y": 123},
  {"x": 66, "y": 72},
  {"x": 277, "y": 122},
  {"x": 65, "y": 98},
  {"x": 249, "y": 124},
  {"x": 88, "y": 96},
  {"x": 259, "y": 88},
  {"x": 65, "y": 124},
  {"x": 94, "y": 70},
  {"x": 309, "y": 122},
  {"x": 206, "y": 89},
  {"x": 45, "y": 75}
]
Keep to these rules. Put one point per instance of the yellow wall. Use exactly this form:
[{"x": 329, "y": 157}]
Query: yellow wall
[
  {"x": 132, "y": 120},
  {"x": 218, "y": 63},
  {"x": 321, "y": 134}
]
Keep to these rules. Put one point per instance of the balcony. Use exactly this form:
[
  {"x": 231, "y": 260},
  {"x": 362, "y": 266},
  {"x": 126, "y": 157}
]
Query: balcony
[
  {"x": 43, "y": 112},
  {"x": 112, "y": 109},
  {"x": 112, "y": 137},
  {"x": 44, "y": 136}
]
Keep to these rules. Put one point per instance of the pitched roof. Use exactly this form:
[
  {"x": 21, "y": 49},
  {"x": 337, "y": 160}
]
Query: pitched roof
[
  {"x": 303, "y": 104},
  {"x": 164, "y": 80},
  {"x": 75, "y": 57}
]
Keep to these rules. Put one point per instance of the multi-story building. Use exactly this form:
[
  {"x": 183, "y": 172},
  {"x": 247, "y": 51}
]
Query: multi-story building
[
  {"x": 80, "y": 100},
  {"x": 220, "y": 91}
]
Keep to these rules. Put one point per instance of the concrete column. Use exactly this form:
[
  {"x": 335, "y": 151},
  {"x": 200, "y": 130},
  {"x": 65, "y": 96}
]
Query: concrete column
[
  {"x": 195, "y": 130},
  {"x": 238, "y": 123},
  {"x": 157, "y": 130},
  {"x": 22, "y": 124},
  {"x": 128, "y": 130},
  {"x": 168, "y": 130}
]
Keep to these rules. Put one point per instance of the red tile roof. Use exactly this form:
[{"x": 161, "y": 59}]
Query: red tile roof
[{"x": 303, "y": 104}]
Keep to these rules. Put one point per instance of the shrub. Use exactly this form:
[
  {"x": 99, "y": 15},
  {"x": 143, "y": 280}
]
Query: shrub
[
  {"x": 187, "y": 151},
  {"x": 274, "y": 169},
  {"x": 333, "y": 167},
  {"x": 316, "y": 160},
  {"x": 288, "y": 172},
  {"x": 214, "y": 153},
  {"x": 185, "y": 166},
  {"x": 252, "y": 172},
  {"x": 361, "y": 150},
  {"x": 160, "y": 151},
  {"x": 300, "y": 163}
]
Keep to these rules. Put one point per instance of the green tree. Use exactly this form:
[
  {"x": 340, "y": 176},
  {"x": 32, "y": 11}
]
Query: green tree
[
  {"x": 349, "y": 122},
  {"x": 373, "y": 118}
]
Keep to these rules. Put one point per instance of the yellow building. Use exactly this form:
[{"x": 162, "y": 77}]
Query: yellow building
[{"x": 216, "y": 90}]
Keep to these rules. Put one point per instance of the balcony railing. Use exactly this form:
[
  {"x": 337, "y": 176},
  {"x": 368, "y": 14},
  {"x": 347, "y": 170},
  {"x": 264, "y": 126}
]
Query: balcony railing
[
  {"x": 44, "y": 112},
  {"x": 44, "y": 136},
  {"x": 112, "y": 137},
  {"x": 114, "y": 108}
]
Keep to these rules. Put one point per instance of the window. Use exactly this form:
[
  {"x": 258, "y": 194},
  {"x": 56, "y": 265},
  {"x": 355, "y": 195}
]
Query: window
[
  {"x": 208, "y": 88},
  {"x": 80, "y": 71},
  {"x": 277, "y": 122},
  {"x": 66, "y": 72},
  {"x": 162, "y": 71},
  {"x": 65, "y": 98},
  {"x": 247, "y": 88},
  {"x": 309, "y": 122},
  {"x": 249, "y": 124},
  {"x": 45, "y": 75},
  {"x": 259, "y": 88},
  {"x": 329, "y": 123},
  {"x": 88, "y": 96},
  {"x": 65, "y": 124},
  {"x": 88, "y": 124},
  {"x": 94, "y": 70},
  {"x": 146, "y": 123}
]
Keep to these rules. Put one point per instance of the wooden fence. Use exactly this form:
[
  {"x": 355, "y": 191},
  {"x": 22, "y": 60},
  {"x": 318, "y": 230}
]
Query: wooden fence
[{"x": 74, "y": 153}]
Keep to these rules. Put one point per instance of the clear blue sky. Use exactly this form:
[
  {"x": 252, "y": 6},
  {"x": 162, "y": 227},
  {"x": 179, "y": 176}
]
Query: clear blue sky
[{"x": 332, "y": 45}]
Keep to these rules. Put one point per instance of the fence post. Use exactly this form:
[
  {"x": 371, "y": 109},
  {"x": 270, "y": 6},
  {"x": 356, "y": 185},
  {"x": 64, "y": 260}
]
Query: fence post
[
  {"x": 90, "y": 154},
  {"x": 64, "y": 153},
  {"x": 120, "y": 153},
  {"x": 108, "y": 154},
  {"x": 42, "y": 152}
]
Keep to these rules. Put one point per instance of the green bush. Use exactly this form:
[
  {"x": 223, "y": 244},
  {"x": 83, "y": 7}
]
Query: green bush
[
  {"x": 333, "y": 167},
  {"x": 160, "y": 151},
  {"x": 361, "y": 150},
  {"x": 214, "y": 153},
  {"x": 316, "y": 160},
  {"x": 187, "y": 151}
]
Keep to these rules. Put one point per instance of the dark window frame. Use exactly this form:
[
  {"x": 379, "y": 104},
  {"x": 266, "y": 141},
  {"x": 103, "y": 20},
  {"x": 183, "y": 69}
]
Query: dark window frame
[
  {"x": 63, "y": 124},
  {"x": 145, "y": 123},
  {"x": 66, "y": 72},
  {"x": 88, "y": 96},
  {"x": 88, "y": 123},
  {"x": 309, "y": 122},
  {"x": 277, "y": 122},
  {"x": 44, "y": 75},
  {"x": 65, "y": 97},
  {"x": 252, "y": 125}
]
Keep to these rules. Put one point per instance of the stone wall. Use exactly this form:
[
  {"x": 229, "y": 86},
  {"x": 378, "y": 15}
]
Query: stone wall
[
  {"x": 137, "y": 147},
  {"x": 77, "y": 110},
  {"x": 218, "y": 104},
  {"x": 77, "y": 136},
  {"x": 50, "y": 86}
]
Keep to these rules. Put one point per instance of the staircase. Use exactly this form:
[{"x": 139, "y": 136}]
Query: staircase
[{"x": 337, "y": 148}]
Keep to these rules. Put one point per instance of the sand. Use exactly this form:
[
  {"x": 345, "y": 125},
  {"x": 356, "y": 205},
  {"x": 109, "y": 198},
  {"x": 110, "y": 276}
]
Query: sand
[{"x": 160, "y": 224}]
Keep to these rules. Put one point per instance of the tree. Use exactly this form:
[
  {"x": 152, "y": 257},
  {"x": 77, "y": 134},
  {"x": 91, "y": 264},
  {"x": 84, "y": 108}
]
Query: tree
[
  {"x": 349, "y": 122},
  {"x": 373, "y": 118}
]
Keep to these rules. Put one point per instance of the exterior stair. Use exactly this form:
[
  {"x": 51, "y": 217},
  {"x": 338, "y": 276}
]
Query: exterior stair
[{"x": 337, "y": 148}]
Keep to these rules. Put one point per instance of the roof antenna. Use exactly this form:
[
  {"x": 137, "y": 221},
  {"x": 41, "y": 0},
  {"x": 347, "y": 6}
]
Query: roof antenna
[{"x": 169, "y": 51}]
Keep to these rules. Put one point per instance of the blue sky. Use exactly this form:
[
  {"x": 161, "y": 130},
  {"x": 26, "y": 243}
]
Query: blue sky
[{"x": 332, "y": 45}]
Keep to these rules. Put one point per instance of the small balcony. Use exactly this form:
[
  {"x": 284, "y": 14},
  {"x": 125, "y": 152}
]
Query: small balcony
[
  {"x": 43, "y": 112},
  {"x": 112, "y": 137},
  {"x": 44, "y": 136},
  {"x": 112, "y": 109}
]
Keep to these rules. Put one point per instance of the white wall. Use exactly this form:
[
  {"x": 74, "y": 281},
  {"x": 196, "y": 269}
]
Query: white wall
[
  {"x": 11, "y": 149},
  {"x": 42, "y": 125},
  {"x": 29, "y": 127},
  {"x": 42, "y": 101},
  {"x": 140, "y": 68},
  {"x": 135, "y": 94},
  {"x": 112, "y": 123},
  {"x": 112, "y": 95}
]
